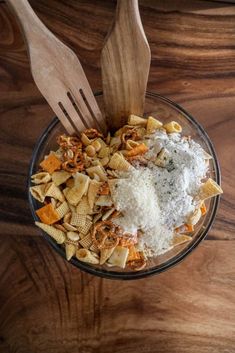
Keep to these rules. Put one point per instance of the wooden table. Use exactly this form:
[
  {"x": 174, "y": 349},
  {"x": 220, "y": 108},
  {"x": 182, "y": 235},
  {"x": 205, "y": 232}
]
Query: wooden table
[{"x": 46, "y": 305}]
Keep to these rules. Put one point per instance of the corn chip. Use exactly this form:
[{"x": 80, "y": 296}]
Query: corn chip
[{"x": 56, "y": 234}]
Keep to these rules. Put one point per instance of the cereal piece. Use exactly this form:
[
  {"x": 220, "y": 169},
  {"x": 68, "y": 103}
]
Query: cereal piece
[
  {"x": 75, "y": 194},
  {"x": 136, "y": 120},
  {"x": 86, "y": 242},
  {"x": 112, "y": 185},
  {"x": 38, "y": 192},
  {"x": 172, "y": 126},
  {"x": 180, "y": 239},
  {"x": 209, "y": 189},
  {"x": 153, "y": 124},
  {"x": 72, "y": 208},
  {"x": 70, "y": 250},
  {"x": 104, "y": 200},
  {"x": 95, "y": 162},
  {"x": 195, "y": 217},
  {"x": 40, "y": 178},
  {"x": 162, "y": 158},
  {"x": 56, "y": 234},
  {"x": 50, "y": 164},
  {"x": 74, "y": 236},
  {"x": 53, "y": 191},
  {"x": 98, "y": 170},
  {"x": 48, "y": 214},
  {"x": 83, "y": 206},
  {"x": 65, "y": 191},
  {"x": 119, "y": 257},
  {"x": 78, "y": 220},
  {"x": 104, "y": 189},
  {"x": 118, "y": 162},
  {"x": 53, "y": 202},
  {"x": 93, "y": 189},
  {"x": 104, "y": 152},
  {"x": 85, "y": 140},
  {"x": 85, "y": 229},
  {"x": 60, "y": 227},
  {"x": 67, "y": 217},
  {"x": 63, "y": 209},
  {"x": 85, "y": 255},
  {"x": 69, "y": 227},
  {"x": 94, "y": 248},
  {"x": 70, "y": 182},
  {"x": 90, "y": 150},
  {"x": 97, "y": 217},
  {"x": 140, "y": 149},
  {"x": 116, "y": 141},
  {"x": 104, "y": 161},
  {"x": 96, "y": 145},
  {"x": 60, "y": 177},
  {"x": 105, "y": 254},
  {"x": 130, "y": 144},
  {"x": 140, "y": 133}
]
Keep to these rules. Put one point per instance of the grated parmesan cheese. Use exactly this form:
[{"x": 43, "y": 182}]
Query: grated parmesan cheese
[{"x": 155, "y": 200}]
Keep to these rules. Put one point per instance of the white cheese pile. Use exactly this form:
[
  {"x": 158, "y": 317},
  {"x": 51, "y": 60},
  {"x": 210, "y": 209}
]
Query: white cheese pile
[
  {"x": 136, "y": 197},
  {"x": 155, "y": 200}
]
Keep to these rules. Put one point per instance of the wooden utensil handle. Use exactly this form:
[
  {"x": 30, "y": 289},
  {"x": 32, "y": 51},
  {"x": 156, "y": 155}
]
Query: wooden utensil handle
[
  {"x": 31, "y": 25},
  {"x": 129, "y": 7},
  {"x": 129, "y": 10}
]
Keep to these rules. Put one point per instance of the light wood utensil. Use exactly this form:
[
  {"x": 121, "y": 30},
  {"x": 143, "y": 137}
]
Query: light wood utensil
[
  {"x": 58, "y": 73},
  {"x": 125, "y": 62}
]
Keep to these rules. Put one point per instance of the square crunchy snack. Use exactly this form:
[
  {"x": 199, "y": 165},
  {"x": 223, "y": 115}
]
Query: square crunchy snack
[
  {"x": 51, "y": 163},
  {"x": 48, "y": 214}
]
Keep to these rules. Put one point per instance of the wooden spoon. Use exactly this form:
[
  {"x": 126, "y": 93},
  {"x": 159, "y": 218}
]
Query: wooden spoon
[
  {"x": 58, "y": 74},
  {"x": 125, "y": 62}
]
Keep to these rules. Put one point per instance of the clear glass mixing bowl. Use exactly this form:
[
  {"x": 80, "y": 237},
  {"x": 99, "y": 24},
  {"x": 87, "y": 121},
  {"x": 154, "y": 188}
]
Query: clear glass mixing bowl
[{"x": 165, "y": 110}]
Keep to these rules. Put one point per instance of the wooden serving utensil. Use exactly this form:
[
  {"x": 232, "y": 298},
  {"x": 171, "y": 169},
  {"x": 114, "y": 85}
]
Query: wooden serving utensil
[
  {"x": 125, "y": 62},
  {"x": 58, "y": 74}
]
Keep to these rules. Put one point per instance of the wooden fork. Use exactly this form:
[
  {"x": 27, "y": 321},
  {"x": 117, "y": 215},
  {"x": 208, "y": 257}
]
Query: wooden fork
[
  {"x": 125, "y": 62},
  {"x": 58, "y": 74}
]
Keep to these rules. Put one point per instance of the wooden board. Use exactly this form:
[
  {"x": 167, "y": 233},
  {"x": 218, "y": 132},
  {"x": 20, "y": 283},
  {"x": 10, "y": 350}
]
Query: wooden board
[{"x": 46, "y": 305}]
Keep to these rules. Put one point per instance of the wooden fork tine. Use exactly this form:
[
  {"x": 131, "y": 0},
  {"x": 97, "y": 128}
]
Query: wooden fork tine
[
  {"x": 97, "y": 118},
  {"x": 62, "y": 117},
  {"x": 69, "y": 111}
]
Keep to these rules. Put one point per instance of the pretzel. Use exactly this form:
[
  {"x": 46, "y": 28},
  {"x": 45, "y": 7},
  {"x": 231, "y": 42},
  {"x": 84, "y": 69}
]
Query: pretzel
[
  {"x": 105, "y": 235},
  {"x": 69, "y": 166},
  {"x": 130, "y": 134},
  {"x": 78, "y": 160},
  {"x": 92, "y": 133}
]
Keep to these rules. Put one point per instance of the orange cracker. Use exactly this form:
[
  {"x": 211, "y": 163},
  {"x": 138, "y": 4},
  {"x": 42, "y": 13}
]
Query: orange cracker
[
  {"x": 48, "y": 214},
  {"x": 203, "y": 208},
  {"x": 51, "y": 163},
  {"x": 133, "y": 254},
  {"x": 141, "y": 149}
]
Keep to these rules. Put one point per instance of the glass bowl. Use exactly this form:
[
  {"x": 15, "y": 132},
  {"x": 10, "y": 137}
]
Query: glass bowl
[{"x": 165, "y": 110}]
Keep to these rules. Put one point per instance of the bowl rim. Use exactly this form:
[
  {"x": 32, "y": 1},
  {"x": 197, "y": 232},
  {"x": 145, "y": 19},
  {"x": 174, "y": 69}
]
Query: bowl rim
[{"x": 109, "y": 274}]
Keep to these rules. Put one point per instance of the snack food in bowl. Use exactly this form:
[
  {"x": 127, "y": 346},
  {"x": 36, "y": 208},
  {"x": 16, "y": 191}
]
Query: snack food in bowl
[
  {"x": 125, "y": 198},
  {"x": 117, "y": 205}
]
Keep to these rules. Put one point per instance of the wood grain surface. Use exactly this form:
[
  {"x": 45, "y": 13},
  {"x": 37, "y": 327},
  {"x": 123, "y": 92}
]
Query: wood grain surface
[{"x": 46, "y": 305}]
